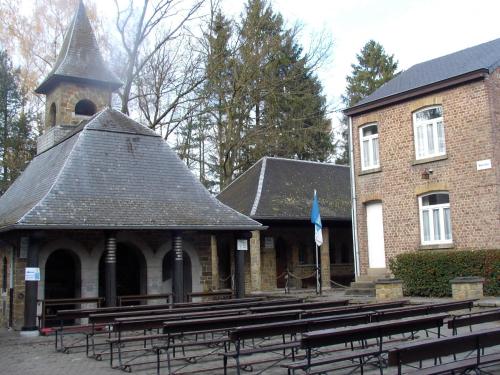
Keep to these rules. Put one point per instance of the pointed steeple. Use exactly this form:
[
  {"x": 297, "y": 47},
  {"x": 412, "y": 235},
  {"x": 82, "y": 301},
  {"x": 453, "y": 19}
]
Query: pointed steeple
[{"x": 79, "y": 60}]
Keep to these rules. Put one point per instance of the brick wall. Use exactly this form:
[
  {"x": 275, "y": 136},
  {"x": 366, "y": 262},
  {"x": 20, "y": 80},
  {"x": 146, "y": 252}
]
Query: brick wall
[{"x": 469, "y": 112}]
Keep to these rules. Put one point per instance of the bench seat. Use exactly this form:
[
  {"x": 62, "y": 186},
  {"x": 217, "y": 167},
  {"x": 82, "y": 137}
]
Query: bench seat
[{"x": 460, "y": 365}]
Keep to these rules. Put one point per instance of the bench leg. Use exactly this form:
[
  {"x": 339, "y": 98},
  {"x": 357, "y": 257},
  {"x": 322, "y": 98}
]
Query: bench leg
[{"x": 225, "y": 365}]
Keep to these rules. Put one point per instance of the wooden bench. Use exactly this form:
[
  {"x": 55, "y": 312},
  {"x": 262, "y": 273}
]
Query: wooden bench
[
  {"x": 148, "y": 323},
  {"x": 216, "y": 294},
  {"x": 143, "y": 297},
  {"x": 341, "y": 310},
  {"x": 471, "y": 319},
  {"x": 424, "y": 309},
  {"x": 283, "y": 328},
  {"x": 184, "y": 325},
  {"x": 434, "y": 348},
  {"x": 123, "y": 311},
  {"x": 362, "y": 333},
  {"x": 48, "y": 304},
  {"x": 302, "y": 306}
]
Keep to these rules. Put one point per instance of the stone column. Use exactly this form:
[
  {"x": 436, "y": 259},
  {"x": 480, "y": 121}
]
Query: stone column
[
  {"x": 110, "y": 269},
  {"x": 31, "y": 289},
  {"x": 239, "y": 265},
  {"x": 178, "y": 280},
  {"x": 325, "y": 259},
  {"x": 255, "y": 267},
  {"x": 215, "y": 262}
]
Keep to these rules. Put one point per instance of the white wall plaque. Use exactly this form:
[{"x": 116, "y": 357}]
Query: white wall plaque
[
  {"x": 242, "y": 245},
  {"x": 483, "y": 164},
  {"x": 32, "y": 274}
]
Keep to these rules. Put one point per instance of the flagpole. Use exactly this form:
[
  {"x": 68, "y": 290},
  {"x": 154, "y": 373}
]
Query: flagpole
[{"x": 318, "y": 285}]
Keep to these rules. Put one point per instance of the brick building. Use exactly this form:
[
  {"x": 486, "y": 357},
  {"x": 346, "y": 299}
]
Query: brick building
[
  {"x": 426, "y": 155},
  {"x": 105, "y": 208},
  {"x": 278, "y": 193}
]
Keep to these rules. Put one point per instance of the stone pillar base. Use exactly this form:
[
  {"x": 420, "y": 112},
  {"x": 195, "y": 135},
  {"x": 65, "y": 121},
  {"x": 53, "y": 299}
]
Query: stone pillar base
[
  {"x": 470, "y": 287},
  {"x": 388, "y": 289}
]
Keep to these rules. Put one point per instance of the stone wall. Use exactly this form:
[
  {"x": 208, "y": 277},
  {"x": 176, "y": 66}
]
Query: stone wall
[
  {"x": 66, "y": 95},
  {"x": 469, "y": 112},
  {"x": 88, "y": 248}
]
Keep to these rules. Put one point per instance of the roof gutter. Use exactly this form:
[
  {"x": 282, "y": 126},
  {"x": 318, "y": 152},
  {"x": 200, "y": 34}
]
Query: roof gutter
[
  {"x": 420, "y": 91},
  {"x": 132, "y": 227}
]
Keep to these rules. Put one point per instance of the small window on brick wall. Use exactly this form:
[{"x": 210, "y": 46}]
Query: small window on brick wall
[
  {"x": 85, "y": 107},
  {"x": 368, "y": 136},
  {"x": 428, "y": 128},
  {"x": 435, "y": 218}
]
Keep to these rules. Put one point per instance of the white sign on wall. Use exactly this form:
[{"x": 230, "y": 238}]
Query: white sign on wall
[
  {"x": 32, "y": 274},
  {"x": 483, "y": 164},
  {"x": 242, "y": 245}
]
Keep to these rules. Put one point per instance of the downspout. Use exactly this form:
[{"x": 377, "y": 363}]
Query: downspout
[
  {"x": 11, "y": 287},
  {"x": 353, "y": 204}
]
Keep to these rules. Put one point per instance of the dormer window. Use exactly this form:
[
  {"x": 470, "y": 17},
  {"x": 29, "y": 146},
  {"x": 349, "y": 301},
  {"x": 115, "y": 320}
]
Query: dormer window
[{"x": 85, "y": 107}]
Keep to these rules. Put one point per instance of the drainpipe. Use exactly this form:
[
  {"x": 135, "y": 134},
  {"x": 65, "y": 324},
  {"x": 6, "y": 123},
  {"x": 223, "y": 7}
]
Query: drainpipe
[
  {"x": 353, "y": 203},
  {"x": 11, "y": 287}
]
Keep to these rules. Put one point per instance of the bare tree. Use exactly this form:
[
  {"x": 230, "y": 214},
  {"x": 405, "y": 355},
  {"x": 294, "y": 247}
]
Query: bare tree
[{"x": 147, "y": 38}]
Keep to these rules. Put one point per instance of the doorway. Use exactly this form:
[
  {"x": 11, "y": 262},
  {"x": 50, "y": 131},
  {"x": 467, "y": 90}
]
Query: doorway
[
  {"x": 375, "y": 229},
  {"x": 281, "y": 262}
]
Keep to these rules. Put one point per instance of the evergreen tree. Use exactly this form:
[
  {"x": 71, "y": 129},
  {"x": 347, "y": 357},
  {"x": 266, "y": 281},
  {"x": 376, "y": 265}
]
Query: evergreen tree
[
  {"x": 373, "y": 69},
  {"x": 261, "y": 97},
  {"x": 16, "y": 141}
]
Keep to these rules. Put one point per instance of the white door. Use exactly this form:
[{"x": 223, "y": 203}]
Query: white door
[{"x": 375, "y": 224}]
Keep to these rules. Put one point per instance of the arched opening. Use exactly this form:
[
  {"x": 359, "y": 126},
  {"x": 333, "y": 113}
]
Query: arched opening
[
  {"x": 52, "y": 115},
  {"x": 131, "y": 275},
  {"x": 168, "y": 271},
  {"x": 85, "y": 107},
  {"x": 62, "y": 279}
]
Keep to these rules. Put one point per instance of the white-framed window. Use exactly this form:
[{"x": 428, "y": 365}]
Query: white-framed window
[
  {"x": 435, "y": 220},
  {"x": 368, "y": 136},
  {"x": 428, "y": 128}
]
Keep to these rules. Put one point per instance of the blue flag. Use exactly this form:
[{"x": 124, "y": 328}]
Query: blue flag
[{"x": 316, "y": 220}]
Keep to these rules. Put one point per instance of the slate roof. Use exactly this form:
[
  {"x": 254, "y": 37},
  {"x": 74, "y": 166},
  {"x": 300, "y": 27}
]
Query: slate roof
[
  {"x": 485, "y": 56},
  {"x": 79, "y": 59},
  {"x": 282, "y": 189},
  {"x": 113, "y": 173}
]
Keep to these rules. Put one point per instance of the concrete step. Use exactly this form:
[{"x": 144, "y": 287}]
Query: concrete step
[{"x": 368, "y": 292}]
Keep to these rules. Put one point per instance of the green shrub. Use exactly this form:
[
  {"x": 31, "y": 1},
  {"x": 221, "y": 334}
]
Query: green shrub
[{"x": 428, "y": 273}]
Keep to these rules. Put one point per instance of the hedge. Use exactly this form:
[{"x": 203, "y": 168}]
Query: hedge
[{"x": 428, "y": 273}]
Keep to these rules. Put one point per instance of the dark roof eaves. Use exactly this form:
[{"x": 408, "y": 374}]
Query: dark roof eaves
[
  {"x": 20, "y": 226},
  {"x": 50, "y": 82},
  {"x": 418, "y": 91},
  {"x": 300, "y": 218}
]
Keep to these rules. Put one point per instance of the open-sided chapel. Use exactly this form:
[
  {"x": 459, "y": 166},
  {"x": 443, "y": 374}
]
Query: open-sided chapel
[{"x": 105, "y": 208}]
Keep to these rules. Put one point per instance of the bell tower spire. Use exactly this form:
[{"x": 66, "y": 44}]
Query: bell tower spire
[{"x": 80, "y": 83}]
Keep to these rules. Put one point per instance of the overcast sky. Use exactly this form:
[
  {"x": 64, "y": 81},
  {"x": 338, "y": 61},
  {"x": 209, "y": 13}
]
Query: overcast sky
[{"x": 413, "y": 30}]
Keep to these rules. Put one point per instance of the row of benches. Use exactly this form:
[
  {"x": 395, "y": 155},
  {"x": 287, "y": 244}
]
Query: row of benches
[
  {"x": 47, "y": 306},
  {"x": 233, "y": 323}
]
